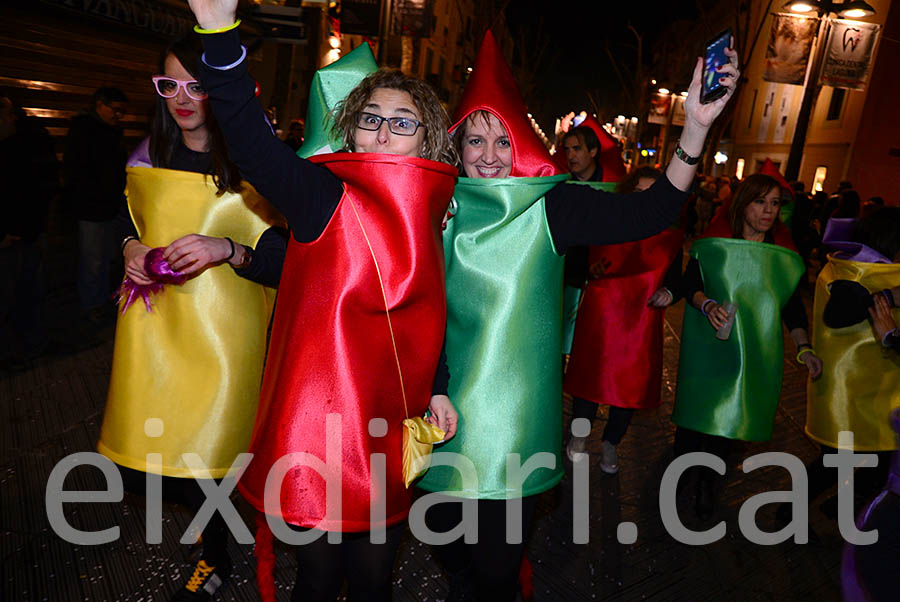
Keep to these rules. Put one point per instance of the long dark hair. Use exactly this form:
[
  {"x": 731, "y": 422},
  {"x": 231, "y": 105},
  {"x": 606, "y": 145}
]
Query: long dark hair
[{"x": 165, "y": 135}]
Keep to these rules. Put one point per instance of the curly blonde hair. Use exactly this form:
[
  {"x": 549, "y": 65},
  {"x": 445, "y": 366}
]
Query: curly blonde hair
[{"x": 436, "y": 146}]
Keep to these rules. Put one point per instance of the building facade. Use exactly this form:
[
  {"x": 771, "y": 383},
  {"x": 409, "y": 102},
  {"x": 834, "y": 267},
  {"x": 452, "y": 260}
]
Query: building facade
[{"x": 850, "y": 131}]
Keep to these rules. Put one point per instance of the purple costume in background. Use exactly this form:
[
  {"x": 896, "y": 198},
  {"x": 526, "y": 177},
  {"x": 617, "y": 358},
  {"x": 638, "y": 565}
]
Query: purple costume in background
[
  {"x": 839, "y": 235},
  {"x": 861, "y": 579}
]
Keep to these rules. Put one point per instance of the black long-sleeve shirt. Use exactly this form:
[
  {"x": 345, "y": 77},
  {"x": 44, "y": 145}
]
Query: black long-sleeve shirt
[{"x": 94, "y": 167}]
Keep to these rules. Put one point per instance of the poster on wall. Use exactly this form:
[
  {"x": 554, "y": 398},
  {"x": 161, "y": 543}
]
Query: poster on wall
[
  {"x": 787, "y": 54},
  {"x": 848, "y": 54}
]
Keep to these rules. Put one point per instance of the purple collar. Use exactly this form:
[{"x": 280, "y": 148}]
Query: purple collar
[{"x": 838, "y": 235}]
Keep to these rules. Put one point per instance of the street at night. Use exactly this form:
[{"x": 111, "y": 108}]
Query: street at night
[{"x": 449, "y": 301}]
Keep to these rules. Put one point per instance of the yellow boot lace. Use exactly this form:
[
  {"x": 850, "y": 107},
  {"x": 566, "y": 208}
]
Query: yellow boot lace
[{"x": 201, "y": 572}]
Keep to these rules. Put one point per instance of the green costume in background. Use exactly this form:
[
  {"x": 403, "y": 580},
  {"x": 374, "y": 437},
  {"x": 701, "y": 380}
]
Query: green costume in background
[
  {"x": 504, "y": 319},
  {"x": 731, "y": 388}
]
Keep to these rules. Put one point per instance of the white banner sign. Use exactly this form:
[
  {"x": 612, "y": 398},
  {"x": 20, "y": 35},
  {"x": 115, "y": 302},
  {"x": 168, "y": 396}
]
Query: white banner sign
[{"x": 848, "y": 54}]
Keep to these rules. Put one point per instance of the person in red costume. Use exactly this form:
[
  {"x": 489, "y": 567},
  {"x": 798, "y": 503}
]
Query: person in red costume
[
  {"x": 359, "y": 325},
  {"x": 496, "y": 141},
  {"x": 617, "y": 355}
]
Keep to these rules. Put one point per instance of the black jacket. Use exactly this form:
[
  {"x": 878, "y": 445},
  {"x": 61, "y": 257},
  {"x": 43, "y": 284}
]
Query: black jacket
[
  {"x": 94, "y": 168},
  {"x": 29, "y": 171}
]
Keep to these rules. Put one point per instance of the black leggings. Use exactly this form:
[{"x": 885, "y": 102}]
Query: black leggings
[
  {"x": 185, "y": 491},
  {"x": 493, "y": 563},
  {"x": 616, "y": 426},
  {"x": 367, "y": 567}
]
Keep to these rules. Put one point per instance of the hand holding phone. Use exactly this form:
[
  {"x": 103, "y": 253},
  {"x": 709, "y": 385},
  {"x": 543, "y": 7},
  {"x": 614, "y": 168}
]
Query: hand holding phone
[{"x": 713, "y": 58}]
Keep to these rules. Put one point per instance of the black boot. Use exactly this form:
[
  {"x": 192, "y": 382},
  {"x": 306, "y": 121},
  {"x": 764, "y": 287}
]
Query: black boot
[
  {"x": 704, "y": 505},
  {"x": 460, "y": 586}
]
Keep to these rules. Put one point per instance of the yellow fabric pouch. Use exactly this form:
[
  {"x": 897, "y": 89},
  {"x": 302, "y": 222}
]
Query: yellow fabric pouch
[{"x": 419, "y": 436}]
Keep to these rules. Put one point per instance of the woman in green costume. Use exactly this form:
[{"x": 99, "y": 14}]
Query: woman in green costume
[
  {"x": 728, "y": 389},
  {"x": 504, "y": 253}
]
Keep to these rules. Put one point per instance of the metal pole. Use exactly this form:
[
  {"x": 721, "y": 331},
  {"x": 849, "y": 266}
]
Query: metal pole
[
  {"x": 385, "y": 31},
  {"x": 810, "y": 93}
]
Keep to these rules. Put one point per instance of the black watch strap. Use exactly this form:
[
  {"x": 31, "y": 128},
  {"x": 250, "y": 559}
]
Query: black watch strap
[{"x": 681, "y": 154}]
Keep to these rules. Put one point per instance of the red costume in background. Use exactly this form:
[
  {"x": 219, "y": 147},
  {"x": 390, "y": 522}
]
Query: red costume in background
[{"x": 617, "y": 350}]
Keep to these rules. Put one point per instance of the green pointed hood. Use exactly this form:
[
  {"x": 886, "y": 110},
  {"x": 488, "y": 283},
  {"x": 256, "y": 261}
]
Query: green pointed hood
[{"x": 330, "y": 85}]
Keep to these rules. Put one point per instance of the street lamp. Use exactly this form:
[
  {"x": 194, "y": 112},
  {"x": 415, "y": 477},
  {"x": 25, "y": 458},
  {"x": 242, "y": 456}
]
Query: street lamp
[{"x": 823, "y": 8}]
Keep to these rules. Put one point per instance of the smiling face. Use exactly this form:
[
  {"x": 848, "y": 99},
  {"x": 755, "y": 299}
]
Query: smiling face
[
  {"x": 486, "y": 149},
  {"x": 387, "y": 102},
  {"x": 189, "y": 114},
  {"x": 761, "y": 213}
]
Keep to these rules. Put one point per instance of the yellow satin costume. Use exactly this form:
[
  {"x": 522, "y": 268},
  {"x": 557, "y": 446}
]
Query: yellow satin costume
[
  {"x": 860, "y": 382},
  {"x": 186, "y": 376}
]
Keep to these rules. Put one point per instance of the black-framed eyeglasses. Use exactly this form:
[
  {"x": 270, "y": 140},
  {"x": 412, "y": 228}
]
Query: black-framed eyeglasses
[{"x": 402, "y": 126}]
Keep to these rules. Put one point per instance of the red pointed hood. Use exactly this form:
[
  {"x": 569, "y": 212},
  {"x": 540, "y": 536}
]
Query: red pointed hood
[
  {"x": 493, "y": 88},
  {"x": 608, "y": 156},
  {"x": 768, "y": 168}
]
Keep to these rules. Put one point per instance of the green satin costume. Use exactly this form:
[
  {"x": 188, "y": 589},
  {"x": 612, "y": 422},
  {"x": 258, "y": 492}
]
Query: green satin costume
[
  {"x": 186, "y": 376},
  {"x": 330, "y": 85},
  {"x": 731, "y": 388},
  {"x": 504, "y": 336},
  {"x": 860, "y": 382}
]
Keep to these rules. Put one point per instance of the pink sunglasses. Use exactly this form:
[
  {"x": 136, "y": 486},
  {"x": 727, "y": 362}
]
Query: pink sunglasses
[{"x": 168, "y": 87}]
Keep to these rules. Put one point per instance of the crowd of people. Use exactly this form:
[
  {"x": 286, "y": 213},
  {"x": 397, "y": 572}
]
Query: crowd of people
[{"x": 419, "y": 266}]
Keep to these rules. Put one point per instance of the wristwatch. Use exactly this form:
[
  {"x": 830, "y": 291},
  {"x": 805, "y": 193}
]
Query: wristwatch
[
  {"x": 248, "y": 256},
  {"x": 682, "y": 154}
]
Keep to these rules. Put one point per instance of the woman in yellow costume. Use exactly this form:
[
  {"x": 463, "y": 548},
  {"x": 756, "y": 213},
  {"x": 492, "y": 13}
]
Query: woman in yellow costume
[
  {"x": 862, "y": 384},
  {"x": 187, "y": 368}
]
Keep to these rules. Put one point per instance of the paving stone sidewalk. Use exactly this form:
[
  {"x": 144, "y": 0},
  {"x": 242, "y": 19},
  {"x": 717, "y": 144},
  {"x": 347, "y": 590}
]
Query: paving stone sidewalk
[{"x": 55, "y": 406}]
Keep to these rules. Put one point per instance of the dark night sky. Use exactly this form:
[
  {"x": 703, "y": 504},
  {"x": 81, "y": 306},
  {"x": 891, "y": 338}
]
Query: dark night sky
[{"x": 577, "y": 29}]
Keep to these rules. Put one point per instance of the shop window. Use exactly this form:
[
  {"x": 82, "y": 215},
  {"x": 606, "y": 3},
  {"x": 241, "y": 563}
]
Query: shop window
[
  {"x": 819, "y": 180},
  {"x": 836, "y": 104}
]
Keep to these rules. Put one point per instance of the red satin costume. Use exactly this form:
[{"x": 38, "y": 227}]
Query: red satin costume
[
  {"x": 616, "y": 354},
  {"x": 617, "y": 350},
  {"x": 331, "y": 350}
]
